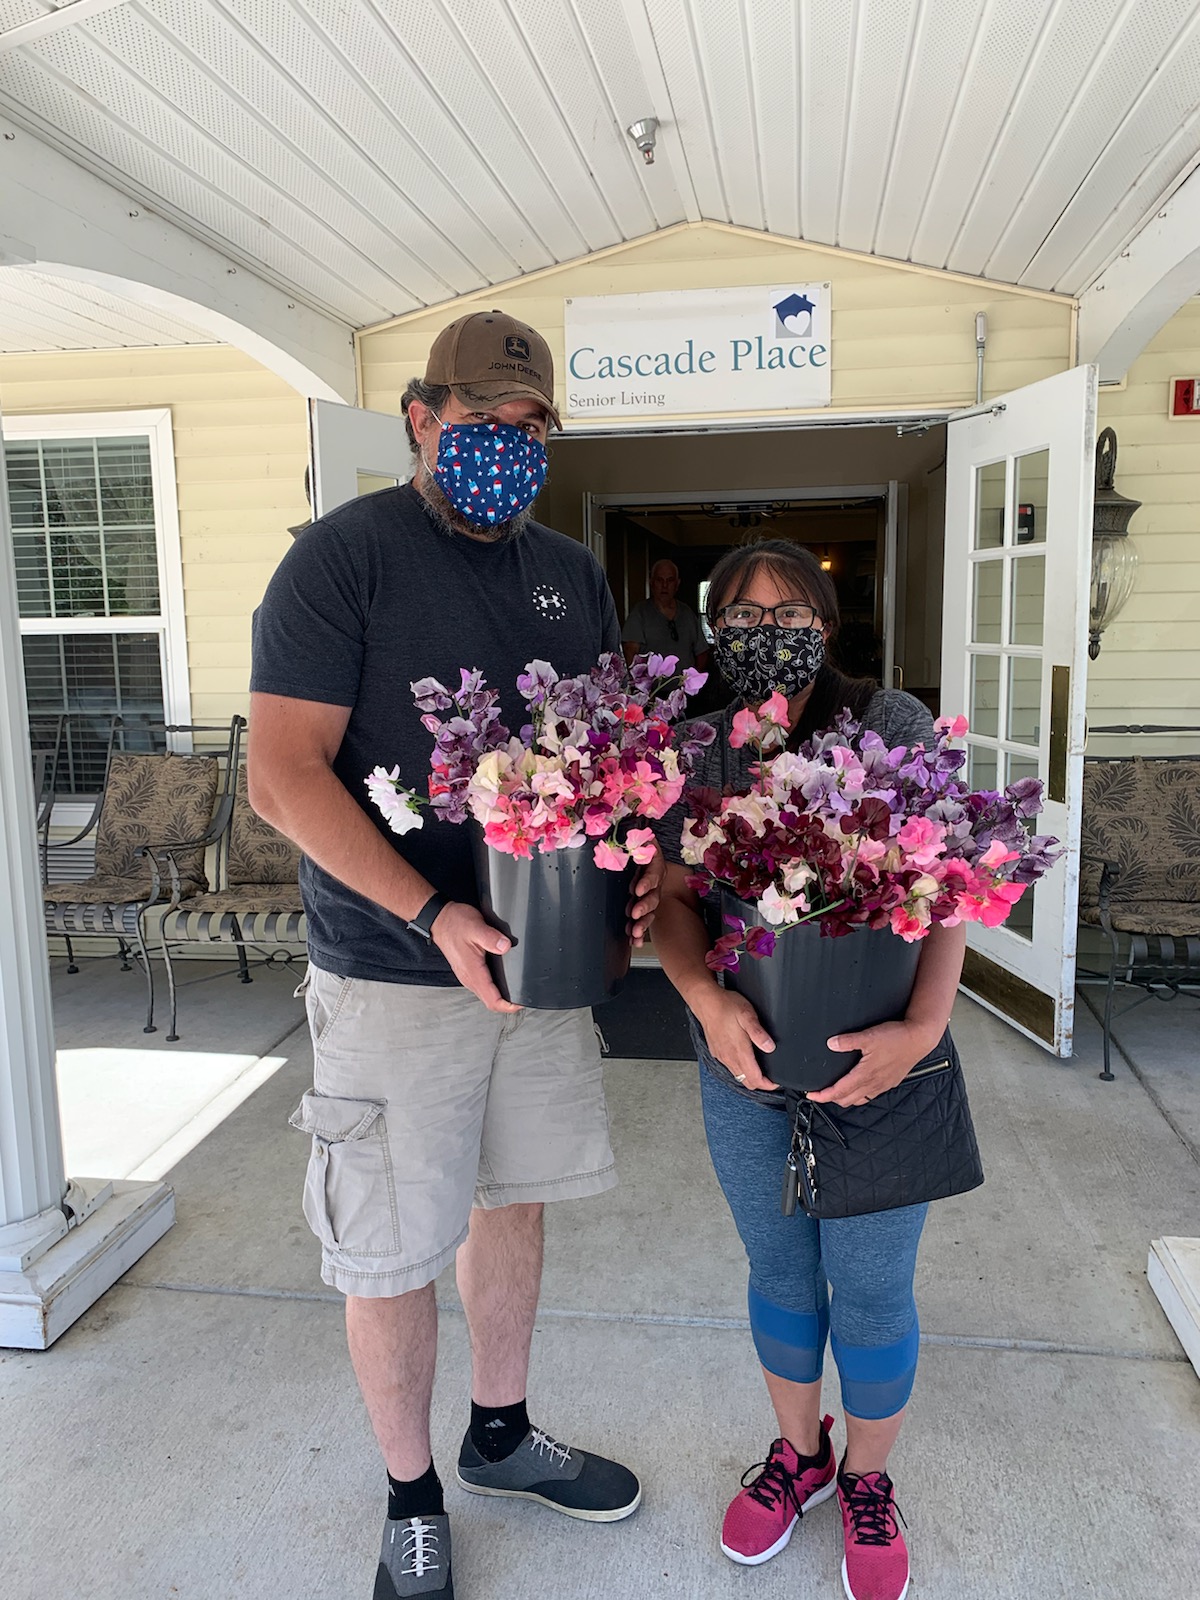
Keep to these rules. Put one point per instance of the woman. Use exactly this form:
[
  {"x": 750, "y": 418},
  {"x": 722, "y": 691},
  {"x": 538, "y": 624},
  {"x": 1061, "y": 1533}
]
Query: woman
[{"x": 773, "y": 613}]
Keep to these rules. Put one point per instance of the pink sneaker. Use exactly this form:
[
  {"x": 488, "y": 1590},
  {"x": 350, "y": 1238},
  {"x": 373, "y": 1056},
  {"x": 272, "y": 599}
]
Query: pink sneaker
[
  {"x": 760, "y": 1519},
  {"x": 875, "y": 1566}
]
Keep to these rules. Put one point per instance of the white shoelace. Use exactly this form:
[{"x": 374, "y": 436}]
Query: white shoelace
[
  {"x": 545, "y": 1445},
  {"x": 419, "y": 1549}
]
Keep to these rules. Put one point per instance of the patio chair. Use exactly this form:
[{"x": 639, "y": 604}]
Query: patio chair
[
  {"x": 153, "y": 820},
  {"x": 257, "y": 899},
  {"x": 1140, "y": 874}
]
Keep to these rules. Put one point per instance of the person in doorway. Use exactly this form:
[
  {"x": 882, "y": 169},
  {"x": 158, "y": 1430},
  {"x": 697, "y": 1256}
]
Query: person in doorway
[
  {"x": 664, "y": 623},
  {"x": 441, "y": 1116},
  {"x": 774, "y": 612}
]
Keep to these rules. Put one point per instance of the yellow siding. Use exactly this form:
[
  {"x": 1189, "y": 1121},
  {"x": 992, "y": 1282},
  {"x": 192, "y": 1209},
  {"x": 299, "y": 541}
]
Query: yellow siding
[
  {"x": 241, "y": 447},
  {"x": 1149, "y": 664},
  {"x": 902, "y": 337}
]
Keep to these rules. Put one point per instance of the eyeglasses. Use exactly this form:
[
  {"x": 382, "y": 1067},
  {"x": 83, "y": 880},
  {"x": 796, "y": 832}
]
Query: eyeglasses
[
  {"x": 791, "y": 614},
  {"x": 674, "y": 632}
]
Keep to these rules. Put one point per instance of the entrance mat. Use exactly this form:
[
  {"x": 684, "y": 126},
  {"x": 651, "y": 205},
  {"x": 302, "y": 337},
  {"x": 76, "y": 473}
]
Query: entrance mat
[{"x": 647, "y": 1019}]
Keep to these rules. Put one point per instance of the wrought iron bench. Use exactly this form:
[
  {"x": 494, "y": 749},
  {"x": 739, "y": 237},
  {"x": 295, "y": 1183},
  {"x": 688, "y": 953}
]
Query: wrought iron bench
[
  {"x": 153, "y": 820},
  {"x": 256, "y": 901},
  {"x": 1140, "y": 874}
]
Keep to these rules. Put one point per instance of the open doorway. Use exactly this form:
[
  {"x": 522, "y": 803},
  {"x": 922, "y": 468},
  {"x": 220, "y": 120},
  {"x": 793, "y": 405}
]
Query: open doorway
[
  {"x": 846, "y": 533},
  {"x": 850, "y": 494}
]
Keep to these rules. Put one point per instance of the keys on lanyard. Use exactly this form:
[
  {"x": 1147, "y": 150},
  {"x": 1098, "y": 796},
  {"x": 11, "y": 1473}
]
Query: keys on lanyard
[{"x": 801, "y": 1152}]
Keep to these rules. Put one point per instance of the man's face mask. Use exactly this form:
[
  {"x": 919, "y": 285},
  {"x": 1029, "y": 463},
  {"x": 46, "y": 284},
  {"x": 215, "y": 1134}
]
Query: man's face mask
[
  {"x": 489, "y": 471},
  {"x": 755, "y": 662}
]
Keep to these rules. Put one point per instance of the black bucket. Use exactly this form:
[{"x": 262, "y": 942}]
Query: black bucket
[
  {"x": 567, "y": 920},
  {"x": 813, "y": 987}
]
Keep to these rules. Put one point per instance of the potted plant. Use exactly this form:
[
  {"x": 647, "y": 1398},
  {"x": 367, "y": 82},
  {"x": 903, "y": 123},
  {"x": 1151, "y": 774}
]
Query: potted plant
[
  {"x": 553, "y": 810},
  {"x": 854, "y": 851}
]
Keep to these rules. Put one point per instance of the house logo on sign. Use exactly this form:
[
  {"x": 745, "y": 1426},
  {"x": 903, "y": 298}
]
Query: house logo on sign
[{"x": 794, "y": 317}]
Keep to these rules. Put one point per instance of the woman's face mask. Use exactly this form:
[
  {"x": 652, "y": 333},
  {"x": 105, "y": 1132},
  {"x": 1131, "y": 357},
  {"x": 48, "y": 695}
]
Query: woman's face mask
[
  {"x": 756, "y": 662},
  {"x": 489, "y": 471}
]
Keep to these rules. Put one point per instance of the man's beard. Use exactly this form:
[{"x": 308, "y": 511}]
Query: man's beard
[{"x": 451, "y": 521}]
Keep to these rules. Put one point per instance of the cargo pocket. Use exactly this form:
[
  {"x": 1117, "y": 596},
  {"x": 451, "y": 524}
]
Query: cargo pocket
[{"x": 349, "y": 1194}]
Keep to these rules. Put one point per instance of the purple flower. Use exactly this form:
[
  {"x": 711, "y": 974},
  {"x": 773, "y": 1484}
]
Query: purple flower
[
  {"x": 760, "y": 943},
  {"x": 430, "y": 695},
  {"x": 693, "y": 681},
  {"x": 535, "y": 683},
  {"x": 1026, "y": 796}
]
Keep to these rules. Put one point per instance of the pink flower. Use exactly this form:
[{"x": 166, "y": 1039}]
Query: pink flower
[
  {"x": 955, "y": 727},
  {"x": 746, "y": 727},
  {"x": 921, "y": 840},
  {"x": 641, "y": 845},
  {"x": 610, "y": 856},
  {"x": 909, "y": 927},
  {"x": 996, "y": 855}
]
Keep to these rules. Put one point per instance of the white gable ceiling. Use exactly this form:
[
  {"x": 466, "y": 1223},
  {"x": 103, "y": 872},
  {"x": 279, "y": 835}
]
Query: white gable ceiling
[
  {"x": 375, "y": 156},
  {"x": 41, "y": 312}
]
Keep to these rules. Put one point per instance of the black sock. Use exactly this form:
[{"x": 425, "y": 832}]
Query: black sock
[
  {"x": 496, "y": 1431},
  {"x": 418, "y": 1497},
  {"x": 822, "y": 1455}
]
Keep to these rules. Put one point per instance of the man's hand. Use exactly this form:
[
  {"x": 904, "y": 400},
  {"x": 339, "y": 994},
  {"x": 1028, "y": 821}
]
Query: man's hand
[
  {"x": 465, "y": 939},
  {"x": 889, "y": 1053},
  {"x": 643, "y": 903},
  {"x": 732, "y": 1029}
]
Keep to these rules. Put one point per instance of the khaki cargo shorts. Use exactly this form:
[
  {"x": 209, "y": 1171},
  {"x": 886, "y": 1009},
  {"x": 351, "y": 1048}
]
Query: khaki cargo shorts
[{"x": 425, "y": 1103}]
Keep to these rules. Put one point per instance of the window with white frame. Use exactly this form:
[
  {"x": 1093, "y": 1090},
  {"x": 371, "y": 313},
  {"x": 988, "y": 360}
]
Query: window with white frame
[{"x": 99, "y": 587}]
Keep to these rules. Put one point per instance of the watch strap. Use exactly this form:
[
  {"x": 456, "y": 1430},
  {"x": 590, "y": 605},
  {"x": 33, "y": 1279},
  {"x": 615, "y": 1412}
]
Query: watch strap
[{"x": 424, "y": 920}]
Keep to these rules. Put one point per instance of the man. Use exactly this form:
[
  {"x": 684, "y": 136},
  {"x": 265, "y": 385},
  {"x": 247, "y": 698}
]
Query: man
[
  {"x": 441, "y": 1116},
  {"x": 664, "y": 623}
]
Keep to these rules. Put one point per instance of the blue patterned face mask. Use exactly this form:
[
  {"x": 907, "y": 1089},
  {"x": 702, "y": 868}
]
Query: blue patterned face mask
[{"x": 489, "y": 471}]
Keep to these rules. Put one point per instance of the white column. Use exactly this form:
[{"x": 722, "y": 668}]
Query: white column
[{"x": 62, "y": 1243}]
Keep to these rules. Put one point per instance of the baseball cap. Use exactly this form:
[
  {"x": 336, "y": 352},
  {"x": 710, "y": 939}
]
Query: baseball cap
[{"x": 488, "y": 357}]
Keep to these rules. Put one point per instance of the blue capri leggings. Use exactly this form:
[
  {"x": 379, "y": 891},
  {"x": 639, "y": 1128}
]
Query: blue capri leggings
[{"x": 868, "y": 1262}]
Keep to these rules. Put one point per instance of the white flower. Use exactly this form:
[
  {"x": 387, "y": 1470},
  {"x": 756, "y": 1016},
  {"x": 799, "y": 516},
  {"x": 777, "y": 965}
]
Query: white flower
[
  {"x": 777, "y": 908},
  {"x": 399, "y": 806}
]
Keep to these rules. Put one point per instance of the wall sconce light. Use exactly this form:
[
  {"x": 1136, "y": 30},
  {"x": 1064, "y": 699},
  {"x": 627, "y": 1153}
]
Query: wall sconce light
[
  {"x": 1114, "y": 554},
  {"x": 826, "y": 561}
]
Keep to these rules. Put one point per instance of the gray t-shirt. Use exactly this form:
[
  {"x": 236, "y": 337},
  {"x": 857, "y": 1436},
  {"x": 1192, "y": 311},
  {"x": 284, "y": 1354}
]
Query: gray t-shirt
[
  {"x": 646, "y": 626},
  {"x": 372, "y": 597}
]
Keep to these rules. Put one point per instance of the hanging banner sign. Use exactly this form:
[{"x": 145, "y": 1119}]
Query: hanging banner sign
[{"x": 695, "y": 352}]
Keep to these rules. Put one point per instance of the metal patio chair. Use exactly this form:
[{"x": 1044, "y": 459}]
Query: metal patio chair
[
  {"x": 1140, "y": 874},
  {"x": 153, "y": 821},
  {"x": 256, "y": 901}
]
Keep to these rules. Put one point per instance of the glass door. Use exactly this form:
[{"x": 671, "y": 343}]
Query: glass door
[{"x": 1019, "y": 480}]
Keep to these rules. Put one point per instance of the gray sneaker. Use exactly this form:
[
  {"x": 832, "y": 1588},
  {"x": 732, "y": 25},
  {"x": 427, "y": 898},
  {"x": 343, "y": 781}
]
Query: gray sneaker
[
  {"x": 415, "y": 1559},
  {"x": 566, "y": 1479}
]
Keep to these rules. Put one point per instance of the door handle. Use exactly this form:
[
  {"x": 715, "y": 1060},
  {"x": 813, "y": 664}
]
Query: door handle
[
  {"x": 898, "y": 674},
  {"x": 1060, "y": 712}
]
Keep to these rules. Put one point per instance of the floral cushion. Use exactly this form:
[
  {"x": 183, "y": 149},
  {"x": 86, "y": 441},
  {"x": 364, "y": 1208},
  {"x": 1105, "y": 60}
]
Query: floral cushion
[
  {"x": 1173, "y": 919},
  {"x": 249, "y": 899},
  {"x": 154, "y": 800},
  {"x": 1145, "y": 816},
  {"x": 104, "y": 891},
  {"x": 258, "y": 853}
]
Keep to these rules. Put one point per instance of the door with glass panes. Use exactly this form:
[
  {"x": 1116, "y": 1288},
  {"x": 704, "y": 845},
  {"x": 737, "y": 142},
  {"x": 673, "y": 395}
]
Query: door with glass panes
[{"x": 1019, "y": 483}]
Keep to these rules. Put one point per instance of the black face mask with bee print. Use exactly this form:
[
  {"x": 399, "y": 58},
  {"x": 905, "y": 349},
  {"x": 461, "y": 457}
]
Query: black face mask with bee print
[{"x": 757, "y": 662}]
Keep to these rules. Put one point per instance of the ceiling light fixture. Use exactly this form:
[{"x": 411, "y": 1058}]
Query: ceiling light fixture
[{"x": 644, "y": 134}]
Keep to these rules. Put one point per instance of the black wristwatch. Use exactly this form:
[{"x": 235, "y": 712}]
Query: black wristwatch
[{"x": 424, "y": 920}]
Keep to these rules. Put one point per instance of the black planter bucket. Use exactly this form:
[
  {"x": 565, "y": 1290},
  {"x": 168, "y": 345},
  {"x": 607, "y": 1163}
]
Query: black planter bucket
[
  {"x": 812, "y": 988},
  {"x": 567, "y": 920}
]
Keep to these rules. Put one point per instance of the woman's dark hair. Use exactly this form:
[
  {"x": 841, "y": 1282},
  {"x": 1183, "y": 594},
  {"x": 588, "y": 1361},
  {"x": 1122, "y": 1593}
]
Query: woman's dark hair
[{"x": 797, "y": 569}]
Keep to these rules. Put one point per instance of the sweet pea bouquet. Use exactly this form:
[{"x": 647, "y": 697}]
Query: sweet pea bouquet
[
  {"x": 846, "y": 833},
  {"x": 599, "y": 749}
]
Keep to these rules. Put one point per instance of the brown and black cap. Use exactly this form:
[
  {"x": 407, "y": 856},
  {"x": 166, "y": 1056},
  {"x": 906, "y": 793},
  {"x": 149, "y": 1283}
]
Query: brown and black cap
[{"x": 488, "y": 357}]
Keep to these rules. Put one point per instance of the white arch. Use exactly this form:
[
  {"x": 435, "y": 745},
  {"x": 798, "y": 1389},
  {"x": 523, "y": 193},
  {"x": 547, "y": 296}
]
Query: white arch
[
  {"x": 64, "y": 220},
  {"x": 1145, "y": 286}
]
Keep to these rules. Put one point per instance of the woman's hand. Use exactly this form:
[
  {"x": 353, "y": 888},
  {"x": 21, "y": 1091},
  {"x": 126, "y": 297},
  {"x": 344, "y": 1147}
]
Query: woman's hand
[
  {"x": 732, "y": 1029},
  {"x": 889, "y": 1053}
]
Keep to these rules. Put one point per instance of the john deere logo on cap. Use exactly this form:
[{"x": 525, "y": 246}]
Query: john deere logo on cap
[{"x": 516, "y": 347}]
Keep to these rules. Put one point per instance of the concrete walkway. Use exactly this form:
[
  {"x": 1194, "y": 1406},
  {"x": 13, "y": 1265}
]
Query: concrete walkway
[{"x": 198, "y": 1435}]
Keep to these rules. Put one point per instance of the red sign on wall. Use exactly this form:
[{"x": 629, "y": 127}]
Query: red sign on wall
[{"x": 1185, "y": 398}]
